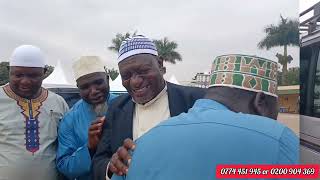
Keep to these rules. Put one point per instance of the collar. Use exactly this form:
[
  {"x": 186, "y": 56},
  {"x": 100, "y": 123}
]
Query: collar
[
  {"x": 41, "y": 98},
  {"x": 209, "y": 104},
  {"x": 162, "y": 93}
]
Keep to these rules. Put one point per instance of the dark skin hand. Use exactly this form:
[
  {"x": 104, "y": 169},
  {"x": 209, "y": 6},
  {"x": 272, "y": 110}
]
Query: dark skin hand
[
  {"x": 120, "y": 160},
  {"x": 94, "y": 133}
]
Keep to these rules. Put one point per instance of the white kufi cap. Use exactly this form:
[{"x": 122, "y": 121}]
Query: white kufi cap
[
  {"x": 27, "y": 56},
  {"x": 87, "y": 65}
]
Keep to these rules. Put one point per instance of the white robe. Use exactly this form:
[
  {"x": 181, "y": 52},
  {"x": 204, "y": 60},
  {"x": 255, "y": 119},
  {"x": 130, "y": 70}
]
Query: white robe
[
  {"x": 150, "y": 114},
  {"x": 28, "y": 136}
]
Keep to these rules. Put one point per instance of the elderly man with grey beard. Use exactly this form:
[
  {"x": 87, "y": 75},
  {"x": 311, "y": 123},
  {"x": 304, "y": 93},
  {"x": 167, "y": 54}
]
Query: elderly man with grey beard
[{"x": 81, "y": 128}]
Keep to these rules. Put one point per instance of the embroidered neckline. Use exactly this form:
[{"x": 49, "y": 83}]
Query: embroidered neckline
[
  {"x": 30, "y": 111},
  {"x": 42, "y": 97}
]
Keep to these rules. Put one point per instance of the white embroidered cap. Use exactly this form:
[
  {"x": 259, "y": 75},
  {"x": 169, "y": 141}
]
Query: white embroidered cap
[{"x": 87, "y": 65}]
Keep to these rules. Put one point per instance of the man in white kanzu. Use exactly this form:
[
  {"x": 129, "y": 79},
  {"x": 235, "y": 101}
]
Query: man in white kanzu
[{"x": 29, "y": 119}]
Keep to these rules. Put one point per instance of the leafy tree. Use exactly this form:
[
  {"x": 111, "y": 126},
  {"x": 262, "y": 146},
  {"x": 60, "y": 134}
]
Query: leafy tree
[
  {"x": 49, "y": 71},
  {"x": 293, "y": 75},
  {"x": 116, "y": 42},
  {"x": 285, "y": 34},
  {"x": 113, "y": 73},
  {"x": 167, "y": 50},
  {"x": 4, "y": 72},
  {"x": 291, "y": 78}
]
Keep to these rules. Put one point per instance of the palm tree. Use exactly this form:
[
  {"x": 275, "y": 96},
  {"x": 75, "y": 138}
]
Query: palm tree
[
  {"x": 116, "y": 42},
  {"x": 285, "y": 34},
  {"x": 167, "y": 50}
]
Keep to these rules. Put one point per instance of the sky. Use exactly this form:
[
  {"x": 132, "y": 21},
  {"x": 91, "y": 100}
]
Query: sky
[{"x": 203, "y": 29}]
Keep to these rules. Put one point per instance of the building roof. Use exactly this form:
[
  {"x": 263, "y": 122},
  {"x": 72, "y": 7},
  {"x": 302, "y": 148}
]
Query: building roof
[{"x": 286, "y": 90}]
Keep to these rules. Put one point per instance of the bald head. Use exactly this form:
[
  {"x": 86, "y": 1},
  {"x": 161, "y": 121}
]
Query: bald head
[{"x": 249, "y": 102}]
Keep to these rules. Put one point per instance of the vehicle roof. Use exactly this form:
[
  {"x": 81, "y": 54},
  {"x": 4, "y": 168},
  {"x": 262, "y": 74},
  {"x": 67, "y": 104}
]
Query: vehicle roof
[
  {"x": 50, "y": 86},
  {"x": 310, "y": 28}
]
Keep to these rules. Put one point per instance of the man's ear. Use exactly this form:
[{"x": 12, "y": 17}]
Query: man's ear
[
  {"x": 160, "y": 61},
  {"x": 163, "y": 70},
  {"x": 260, "y": 104},
  {"x": 161, "y": 67}
]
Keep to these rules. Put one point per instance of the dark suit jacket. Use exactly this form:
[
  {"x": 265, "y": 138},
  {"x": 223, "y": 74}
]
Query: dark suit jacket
[{"x": 119, "y": 121}]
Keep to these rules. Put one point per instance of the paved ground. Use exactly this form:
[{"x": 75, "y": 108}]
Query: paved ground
[{"x": 290, "y": 120}]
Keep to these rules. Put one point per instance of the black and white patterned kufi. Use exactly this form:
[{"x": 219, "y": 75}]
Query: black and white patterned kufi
[{"x": 138, "y": 44}]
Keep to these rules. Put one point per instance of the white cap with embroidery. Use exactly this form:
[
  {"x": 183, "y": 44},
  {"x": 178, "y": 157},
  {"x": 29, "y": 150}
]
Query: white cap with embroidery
[{"x": 87, "y": 65}]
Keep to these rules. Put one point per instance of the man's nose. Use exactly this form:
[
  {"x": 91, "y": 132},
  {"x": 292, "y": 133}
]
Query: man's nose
[
  {"x": 25, "y": 81},
  {"x": 136, "y": 80},
  {"x": 93, "y": 90}
]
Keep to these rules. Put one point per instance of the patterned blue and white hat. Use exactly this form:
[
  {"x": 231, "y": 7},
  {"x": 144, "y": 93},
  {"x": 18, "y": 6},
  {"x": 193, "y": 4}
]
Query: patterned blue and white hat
[{"x": 138, "y": 44}]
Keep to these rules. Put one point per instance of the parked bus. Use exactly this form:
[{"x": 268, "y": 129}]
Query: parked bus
[{"x": 310, "y": 86}]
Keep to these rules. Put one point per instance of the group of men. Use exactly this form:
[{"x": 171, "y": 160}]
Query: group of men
[{"x": 158, "y": 130}]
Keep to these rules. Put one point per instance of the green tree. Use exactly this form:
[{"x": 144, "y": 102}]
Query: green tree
[
  {"x": 291, "y": 78},
  {"x": 167, "y": 50},
  {"x": 113, "y": 73},
  {"x": 285, "y": 33},
  {"x": 49, "y": 71},
  {"x": 4, "y": 73},
  {"x": 116, "y": 42}
]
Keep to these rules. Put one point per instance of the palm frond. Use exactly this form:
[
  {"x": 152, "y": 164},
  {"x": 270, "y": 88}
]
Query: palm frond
[
  {"x": 167, "y": 50},
  {"x": 117, "y": 41},
  {"x": 286, "y": 32}
]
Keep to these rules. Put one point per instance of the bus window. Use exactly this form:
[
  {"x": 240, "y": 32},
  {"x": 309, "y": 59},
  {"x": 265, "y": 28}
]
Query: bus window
[
  {"x": 316, "y": 91},
  {"x": 305, "y": 58}
]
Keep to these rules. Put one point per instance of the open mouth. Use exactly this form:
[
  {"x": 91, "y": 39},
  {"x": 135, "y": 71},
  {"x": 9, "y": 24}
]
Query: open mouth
[
  {"x": 141, "y": 91},
  {"x": 24, "y": 89}
]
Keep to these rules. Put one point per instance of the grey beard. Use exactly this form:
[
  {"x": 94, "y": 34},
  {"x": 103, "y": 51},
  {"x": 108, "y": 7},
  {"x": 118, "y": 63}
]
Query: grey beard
[{"x": 100, "y": 109}]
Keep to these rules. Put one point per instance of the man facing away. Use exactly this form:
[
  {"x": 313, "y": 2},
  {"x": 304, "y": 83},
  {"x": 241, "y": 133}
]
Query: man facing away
[
  {"x": 81, "y": 128},
  {"x": 149, "y": 101},
  {"x": 234, "y": 124},
  {"x": 29, "y": 119}
]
